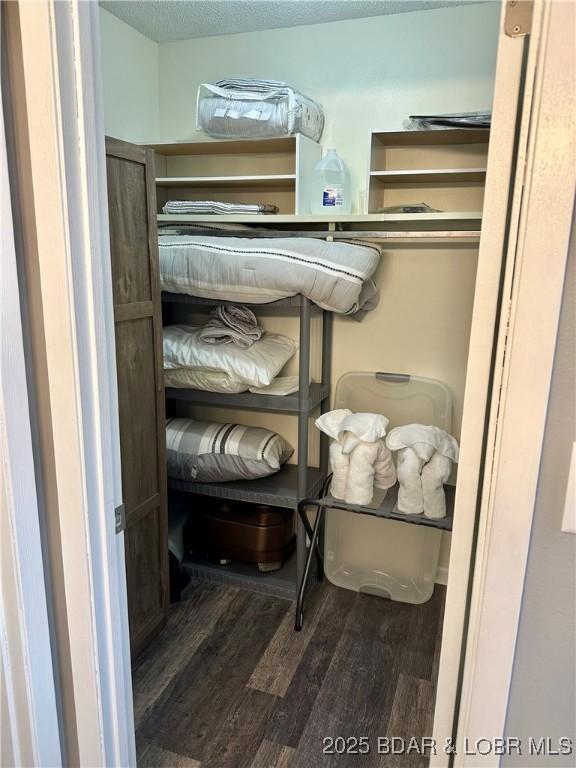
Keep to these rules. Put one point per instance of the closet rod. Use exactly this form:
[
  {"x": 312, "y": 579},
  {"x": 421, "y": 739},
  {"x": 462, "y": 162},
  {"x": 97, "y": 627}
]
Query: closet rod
[{"x": 339, "y": 235}]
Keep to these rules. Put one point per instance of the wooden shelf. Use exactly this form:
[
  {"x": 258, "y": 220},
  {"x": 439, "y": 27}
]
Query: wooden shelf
[
  {"x": 252, "y": 171},
  {"x": 430, "y": 137},
  {"x": 207, "y": 182},
  {"x": 204, "y": 145},
  {"x": 430, "y": 176},
  {"x": 350, "y": 218},
  {"x": 446, "y": 168}
]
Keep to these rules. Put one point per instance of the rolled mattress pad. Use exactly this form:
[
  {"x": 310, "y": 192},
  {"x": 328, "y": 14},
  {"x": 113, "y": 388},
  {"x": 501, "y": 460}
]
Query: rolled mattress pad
[{"x": 334, "y": 275}]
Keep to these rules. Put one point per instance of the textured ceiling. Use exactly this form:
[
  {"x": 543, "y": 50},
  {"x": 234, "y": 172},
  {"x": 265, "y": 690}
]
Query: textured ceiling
[{"x": 166, "y": 20}]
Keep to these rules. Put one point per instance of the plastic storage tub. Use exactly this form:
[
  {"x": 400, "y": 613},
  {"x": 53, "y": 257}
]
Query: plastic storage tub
[{"x": 378, "y": 556}]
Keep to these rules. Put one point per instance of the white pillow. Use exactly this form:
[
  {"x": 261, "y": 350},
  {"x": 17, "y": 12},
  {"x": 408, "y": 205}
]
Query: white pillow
[
  {"x": 256, "y": 366},
  {"x": 209, "y": 381}
]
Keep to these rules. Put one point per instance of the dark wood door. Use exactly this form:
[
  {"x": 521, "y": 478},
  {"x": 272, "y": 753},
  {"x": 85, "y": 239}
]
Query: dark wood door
[{"x": 138, "y": 325}]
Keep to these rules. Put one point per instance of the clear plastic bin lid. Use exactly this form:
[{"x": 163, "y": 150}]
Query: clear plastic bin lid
[{"x": 402, "y": 398}]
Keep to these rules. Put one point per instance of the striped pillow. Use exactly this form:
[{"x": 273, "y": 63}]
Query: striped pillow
[{"x": 209, "y": 452}]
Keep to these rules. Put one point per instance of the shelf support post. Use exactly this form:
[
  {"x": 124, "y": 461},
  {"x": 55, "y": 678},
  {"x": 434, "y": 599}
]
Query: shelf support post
[
  {"x": 327, "y": 326},
  {"x": 303, "y": 417}
]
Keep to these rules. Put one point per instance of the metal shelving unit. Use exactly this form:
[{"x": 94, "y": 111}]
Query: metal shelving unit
[{"x": 293, "y": 483}]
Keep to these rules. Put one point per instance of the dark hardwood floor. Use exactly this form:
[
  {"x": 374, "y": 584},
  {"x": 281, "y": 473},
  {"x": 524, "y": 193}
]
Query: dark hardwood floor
[{"x": 229, "y": 684}]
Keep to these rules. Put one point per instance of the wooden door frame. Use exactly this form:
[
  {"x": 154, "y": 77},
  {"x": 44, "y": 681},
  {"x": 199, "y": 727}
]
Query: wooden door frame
[
  {"x": 540, "y": 232},
  {"x": 66, "y": 35},
  {"x": 57, "y": 109},
  {"x": 29, "y": 727},
  {"x": 528, "y": 222}
]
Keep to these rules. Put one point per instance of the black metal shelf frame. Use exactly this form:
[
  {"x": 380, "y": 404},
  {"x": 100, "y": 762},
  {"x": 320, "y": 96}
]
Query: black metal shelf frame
[
  {"x": 388, "y": 510},
  {"x": 277, "y": 490},
  {"x": 252, "y": 402},
  {"x": 293, "y": 483}
]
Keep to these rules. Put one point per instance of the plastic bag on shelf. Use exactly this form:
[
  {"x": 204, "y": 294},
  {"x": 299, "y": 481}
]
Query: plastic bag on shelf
[{"x": 245, "y": 108}]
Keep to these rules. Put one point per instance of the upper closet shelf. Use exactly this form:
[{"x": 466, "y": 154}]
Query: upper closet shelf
[
  {"x": 433, "y": 137},
  {"x": 253, "y": 171},
  {"x": 445, "y": 169},
  {"x": 204, "y": 145},
  {"x": 350, "y": 218},
  {"x": 430, "y": 175},
  {"x": 258, "y": 181}
]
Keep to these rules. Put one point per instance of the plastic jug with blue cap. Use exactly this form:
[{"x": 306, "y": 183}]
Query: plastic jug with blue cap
[{"x": 330, "y": 188}]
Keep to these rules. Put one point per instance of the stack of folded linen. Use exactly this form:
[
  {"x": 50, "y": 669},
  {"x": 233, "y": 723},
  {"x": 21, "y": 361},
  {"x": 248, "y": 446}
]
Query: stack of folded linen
[
  {"x": 212, "y": 206},
  {"x": 232, "y": 324},
  {"x": 251, "y": 85},
  {"x": 190, "y": 362},
  {"x": 251, "y": 108},
  {"x": 437, "y": 121}
]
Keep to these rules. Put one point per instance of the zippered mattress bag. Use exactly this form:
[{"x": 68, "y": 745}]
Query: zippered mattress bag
[{"x": 256, "y": 109}]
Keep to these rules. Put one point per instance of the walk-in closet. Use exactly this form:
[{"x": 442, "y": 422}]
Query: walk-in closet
[{"x": 295, "y": 200}]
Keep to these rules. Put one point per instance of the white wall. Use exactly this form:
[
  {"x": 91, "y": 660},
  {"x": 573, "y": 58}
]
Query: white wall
[
  {"x": 367, "y": 73},
  {"x": 130, "y": 81}
]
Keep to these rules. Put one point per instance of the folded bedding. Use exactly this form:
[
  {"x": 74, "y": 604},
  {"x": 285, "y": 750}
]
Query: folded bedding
[
  {"x": 232, "y": 324},
  {"x": 206, "y": 380},
  {"x": 334, "y": 275},
  {"x": 216, "y": 381},
  {"x": 256, "y": 366},
  {"x": 210, "y": 452},
  {"x": 213, "y": 206},
  {"x": 254, "y": 108},
  {"x": 282, "y": 385},
  {"x": 179, "y": 229},
  {"x": 250, "y": 84}
]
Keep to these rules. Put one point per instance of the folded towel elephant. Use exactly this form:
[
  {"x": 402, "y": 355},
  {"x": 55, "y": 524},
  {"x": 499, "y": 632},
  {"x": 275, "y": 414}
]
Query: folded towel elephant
[
  {"x": 359, "y": 457},
  {"x": 425, "y": 456}
]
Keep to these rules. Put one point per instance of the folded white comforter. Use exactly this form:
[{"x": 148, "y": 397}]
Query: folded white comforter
[{"x": 334, "y": 275}]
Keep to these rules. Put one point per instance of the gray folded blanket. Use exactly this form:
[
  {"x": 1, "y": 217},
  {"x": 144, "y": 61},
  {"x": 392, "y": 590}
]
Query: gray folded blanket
[
  {"x": 214, "y": 206},
  {"x": 232, "y": 324}
]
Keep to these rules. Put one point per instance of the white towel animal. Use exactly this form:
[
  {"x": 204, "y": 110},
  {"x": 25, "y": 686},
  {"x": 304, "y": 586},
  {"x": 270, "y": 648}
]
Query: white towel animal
[
  {"x": 359, "y": 457},
  {"x": 425, "y": 456}
]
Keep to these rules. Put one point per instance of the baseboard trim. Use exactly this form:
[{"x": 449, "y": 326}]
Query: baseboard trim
[{"x": 442, "y": 575}]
